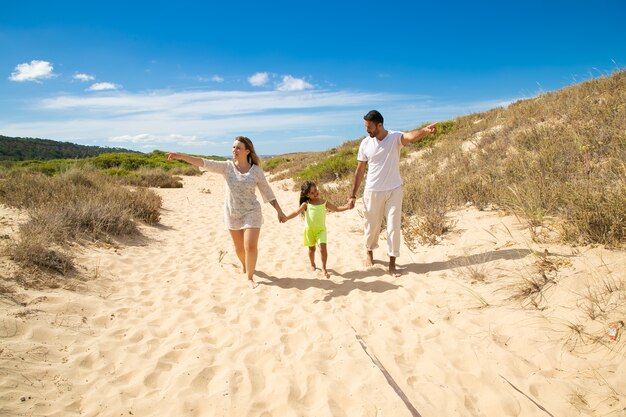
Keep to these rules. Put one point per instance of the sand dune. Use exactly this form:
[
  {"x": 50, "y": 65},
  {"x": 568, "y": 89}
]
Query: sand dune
[{"x": 166, "y": 325}]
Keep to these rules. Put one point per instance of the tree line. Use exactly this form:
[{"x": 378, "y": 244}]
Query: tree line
[{"x": 25, "y": 149}]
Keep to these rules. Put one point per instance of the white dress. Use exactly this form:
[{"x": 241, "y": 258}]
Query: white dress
[{"x": 242, "y": 210}]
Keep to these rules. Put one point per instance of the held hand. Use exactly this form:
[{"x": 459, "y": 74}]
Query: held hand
[{"x": 351, "y": 202}]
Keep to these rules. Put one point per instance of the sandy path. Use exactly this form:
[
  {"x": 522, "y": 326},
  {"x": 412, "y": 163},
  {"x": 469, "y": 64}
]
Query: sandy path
[{"x": 168, "y": 327}]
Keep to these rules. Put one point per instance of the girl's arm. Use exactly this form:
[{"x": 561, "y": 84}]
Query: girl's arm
[
  {"x": 295, "y": 213},
  {"x": 331, "y": 207}
]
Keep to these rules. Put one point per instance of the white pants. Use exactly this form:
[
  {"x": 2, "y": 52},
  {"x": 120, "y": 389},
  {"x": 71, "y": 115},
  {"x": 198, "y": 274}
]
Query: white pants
[{"x": 379, "y": 204}]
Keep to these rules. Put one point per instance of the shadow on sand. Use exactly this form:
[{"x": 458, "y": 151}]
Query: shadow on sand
[
  {"x": 333, "y": 289},
  {"x": 353, "y": 279}
]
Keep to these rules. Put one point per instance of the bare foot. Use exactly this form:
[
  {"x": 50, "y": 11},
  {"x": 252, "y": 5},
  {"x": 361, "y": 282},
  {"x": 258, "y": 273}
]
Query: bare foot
[
  {"x": 313, "y": 267},
  {"x": 325, "y": 272},
  {"x": 252, "y": 284},
  {"x": 369, "y": 259},
  {"x": 392, "y": 267}
]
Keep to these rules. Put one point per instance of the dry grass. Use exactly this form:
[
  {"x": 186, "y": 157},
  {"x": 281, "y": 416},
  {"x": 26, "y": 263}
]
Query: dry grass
[
  {"x": 536, "y": 279},
  {"x": 559, "y": 155},
  {"x": 152, "y": 177},
  {"x": 558, "y": 158},
  {"x": 474, "y": 267},
  {"x": 604, "y": 298},
  {"x": 80, "y": 204},
  {"x": 603, "y": 304}
]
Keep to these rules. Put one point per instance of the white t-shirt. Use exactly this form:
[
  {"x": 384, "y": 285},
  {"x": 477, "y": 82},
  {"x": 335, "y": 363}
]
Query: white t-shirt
[{"x": 383, "y": 159}]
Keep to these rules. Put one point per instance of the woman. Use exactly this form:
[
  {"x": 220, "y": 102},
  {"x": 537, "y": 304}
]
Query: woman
[{"x": 242, "y": 211}]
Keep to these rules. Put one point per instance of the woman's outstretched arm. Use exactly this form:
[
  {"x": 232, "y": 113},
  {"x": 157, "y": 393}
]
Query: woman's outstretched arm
[{"x": 173, "y": 156}]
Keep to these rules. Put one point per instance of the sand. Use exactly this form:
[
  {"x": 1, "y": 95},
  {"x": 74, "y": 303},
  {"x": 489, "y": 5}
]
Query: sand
[{"x": 166, "y": 325}]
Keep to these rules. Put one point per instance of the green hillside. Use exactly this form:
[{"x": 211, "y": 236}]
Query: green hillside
[{"x": 25, "y": 149}]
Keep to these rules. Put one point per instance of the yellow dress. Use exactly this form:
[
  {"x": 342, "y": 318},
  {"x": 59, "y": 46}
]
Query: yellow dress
[{"x": 315, "y": 224}]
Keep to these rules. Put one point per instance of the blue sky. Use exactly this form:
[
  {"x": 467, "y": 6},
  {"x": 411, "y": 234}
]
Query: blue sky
[{"x": 190, "y": 76}]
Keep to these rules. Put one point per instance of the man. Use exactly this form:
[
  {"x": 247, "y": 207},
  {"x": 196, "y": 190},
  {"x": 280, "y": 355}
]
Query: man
[{"x": 382, "y": 195}]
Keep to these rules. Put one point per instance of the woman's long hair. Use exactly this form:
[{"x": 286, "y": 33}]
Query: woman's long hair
[
  {"x": 304, "y": 190},
  {"x": 253, "y": 158}
]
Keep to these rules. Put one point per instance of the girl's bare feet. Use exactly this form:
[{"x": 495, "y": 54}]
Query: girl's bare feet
[
  {"x": 313, "y": 267},
  {"x": 252, "y": 284},
  {"x": 369, "y": 259},
  {"x": 325, "y": 272}
]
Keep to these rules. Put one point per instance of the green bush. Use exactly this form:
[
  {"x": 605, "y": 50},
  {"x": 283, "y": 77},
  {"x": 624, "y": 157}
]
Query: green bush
[{"x": 330, "y": 169}]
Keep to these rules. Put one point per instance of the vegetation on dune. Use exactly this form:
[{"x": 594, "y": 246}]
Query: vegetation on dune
[
  {"x": 146, "y": 170},
  {"x": 77, "y": 205},
  {"x": 69, "y": 200},
  {"x": 557, "y": 161}
]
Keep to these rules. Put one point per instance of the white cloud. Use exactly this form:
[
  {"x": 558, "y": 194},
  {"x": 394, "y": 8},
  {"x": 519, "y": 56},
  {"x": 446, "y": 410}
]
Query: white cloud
[
  {"x": 34, "y": 71},
  {"x": 259, "y": 79},
  {"x": 103, "y": 87},
  {"x": 201, "y": 121},
  {"x": 148, "y": 139},
  {"x": 167, "y": 105},
  {"x": 217, "y": 79},
  {"x": 290, "y": 83},
  {"x": 83, "y": 77}
]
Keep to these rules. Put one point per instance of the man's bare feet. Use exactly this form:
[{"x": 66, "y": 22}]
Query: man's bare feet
[
  {"x": 325, "y": 272},
  {"x": 369, "y": 259},
  {"x": 392, "y": 267}
]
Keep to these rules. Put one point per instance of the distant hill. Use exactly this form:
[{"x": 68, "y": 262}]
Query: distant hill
[{"x": 25, "y": 149}]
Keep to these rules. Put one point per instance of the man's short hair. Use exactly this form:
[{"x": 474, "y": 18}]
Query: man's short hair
[{"x": 374, "y": 116}]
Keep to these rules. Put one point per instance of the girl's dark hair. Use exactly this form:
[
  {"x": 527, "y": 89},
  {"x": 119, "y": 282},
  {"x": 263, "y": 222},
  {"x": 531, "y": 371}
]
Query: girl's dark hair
[
  {"x": 304, "y": 190},
  {"x": 253, "y": 158}
]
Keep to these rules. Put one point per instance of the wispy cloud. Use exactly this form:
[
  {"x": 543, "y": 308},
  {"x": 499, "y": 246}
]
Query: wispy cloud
[
  {"x": 147, "y": 139},
  {"x": 208, "y": 104},
  {"x": 217, "y": 79},
  {"x": 206, "y": 121},
  {"x": 290, "y": 83},
  {"x": 103, "y": 87},
  {"x": 259, "y": 79},
  {"x": 83, "y": 77},
  {"x": 35, "y": 71}
]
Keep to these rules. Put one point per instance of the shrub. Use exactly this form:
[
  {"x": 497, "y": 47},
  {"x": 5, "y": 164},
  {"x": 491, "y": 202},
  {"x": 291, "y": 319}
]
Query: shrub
[
  {"x": 330, "y": 169},
  {"x": 558, "y": 156}
]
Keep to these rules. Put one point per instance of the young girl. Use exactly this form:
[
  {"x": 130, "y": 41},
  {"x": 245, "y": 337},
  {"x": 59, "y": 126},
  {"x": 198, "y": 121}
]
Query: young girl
[{"x": 314, "y": 209}]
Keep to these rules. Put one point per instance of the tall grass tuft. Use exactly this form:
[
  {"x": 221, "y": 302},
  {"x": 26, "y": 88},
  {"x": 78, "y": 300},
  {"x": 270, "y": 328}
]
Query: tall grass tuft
[
  {"x": 79, "y": 204},
  {"x": 559, "y": 156}
]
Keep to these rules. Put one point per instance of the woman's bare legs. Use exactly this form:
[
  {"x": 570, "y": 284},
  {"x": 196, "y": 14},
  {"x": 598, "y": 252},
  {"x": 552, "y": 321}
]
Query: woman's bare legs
[
  {"x": 246, "y": 246},
  {"x": 237, "y": 236},
  {"x": 250, "y": 243}
]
